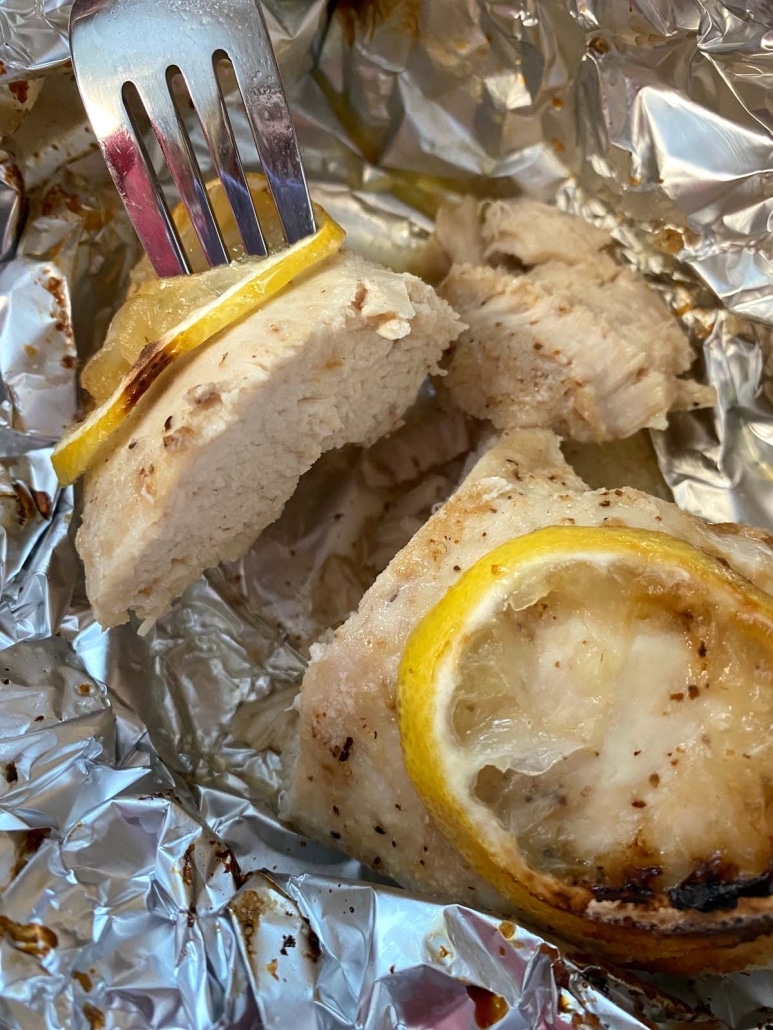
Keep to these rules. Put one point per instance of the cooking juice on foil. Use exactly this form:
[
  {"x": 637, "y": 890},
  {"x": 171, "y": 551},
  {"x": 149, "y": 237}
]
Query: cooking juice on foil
[{"x": 149, "y": 874}]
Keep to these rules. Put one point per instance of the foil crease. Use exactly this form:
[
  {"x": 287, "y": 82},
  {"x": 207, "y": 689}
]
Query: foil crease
[{"x": 144, "y": 881}]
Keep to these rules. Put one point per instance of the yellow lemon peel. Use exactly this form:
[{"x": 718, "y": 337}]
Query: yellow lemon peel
[{"x": 261, "y": 281}]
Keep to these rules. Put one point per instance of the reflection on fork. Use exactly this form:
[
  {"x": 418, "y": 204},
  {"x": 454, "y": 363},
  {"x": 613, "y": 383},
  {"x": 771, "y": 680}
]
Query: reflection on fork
[{"x": 129, "y": 58}]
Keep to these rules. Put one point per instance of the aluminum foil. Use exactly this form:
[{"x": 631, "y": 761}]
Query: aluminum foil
[{"x": 144, "y": 881}]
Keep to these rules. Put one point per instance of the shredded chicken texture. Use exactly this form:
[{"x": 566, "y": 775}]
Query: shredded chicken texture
[
  {"x": 560, "y": 334},
  {"x": 345, "y": 779}
]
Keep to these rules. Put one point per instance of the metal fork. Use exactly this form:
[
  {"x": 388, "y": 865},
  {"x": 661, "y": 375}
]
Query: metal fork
[{"x": 145, "y": 43}]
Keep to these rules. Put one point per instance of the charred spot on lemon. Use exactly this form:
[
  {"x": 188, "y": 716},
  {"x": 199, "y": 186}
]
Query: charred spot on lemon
[
  {"x": 256, "y": 282},
  {"x": 590, "y": 708}
]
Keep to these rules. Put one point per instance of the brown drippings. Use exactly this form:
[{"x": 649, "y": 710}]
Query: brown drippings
[
  {"x": 57, "y": 289},
  {"x": 315, "y": 948},
  {"x": 230, "y": 864},
  {"x": 187, "y": 866},
  {"x": 507, "y": 929},
  {"x": 54, "y": 200},
  {"x": 42, "y": 502},
  {"x": 12, "y": 177},
  {"x": 26, "y": 844},
  {"x": 587, "y": 1021},
  {"x": 83, "y": 979},
  {"x": 560, "y": 972},
  {"x": 84, "y": 688},
  {"x": 670, "y": 241},
  {"x": 95, "y": 1016},
  {"x": 20, "y": 89},
  {"x": 248, "y": 907},
  {"x": 31, "y": 938},
  {"x": 490, "y": 1008},
  {"x": 25, "y": 506}
]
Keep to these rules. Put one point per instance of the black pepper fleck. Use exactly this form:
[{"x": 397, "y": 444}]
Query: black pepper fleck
[{"x": 346, "y": 750}]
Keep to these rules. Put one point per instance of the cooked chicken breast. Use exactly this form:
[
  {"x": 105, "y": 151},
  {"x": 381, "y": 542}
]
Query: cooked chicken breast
[
  {"x": 350, "y": 515},
  {"x": 345, "y": 779},
  {"x": 216, "y": 447},
  {"x": 570, "y": 340}
]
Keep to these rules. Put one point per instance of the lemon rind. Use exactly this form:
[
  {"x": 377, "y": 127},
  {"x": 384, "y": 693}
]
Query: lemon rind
[{"x": 79, "y": 448}]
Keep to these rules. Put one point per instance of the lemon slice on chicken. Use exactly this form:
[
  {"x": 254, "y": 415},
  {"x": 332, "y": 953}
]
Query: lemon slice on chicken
[
  {"x": 566, "y": 701},
  {"x": 234, "y": 291},
  {"x": 155, "y": 305}
]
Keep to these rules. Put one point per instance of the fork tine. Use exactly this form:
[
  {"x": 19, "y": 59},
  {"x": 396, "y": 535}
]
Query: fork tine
[
  {"x": 208, "y": 101},
  {"x": 278, "y": 151},
  {"x": 257, "y": 75},
  {"x": 176, "y": 146},
  {"x": 138, "y": 187},
  {"x": 112, "y": 59}
]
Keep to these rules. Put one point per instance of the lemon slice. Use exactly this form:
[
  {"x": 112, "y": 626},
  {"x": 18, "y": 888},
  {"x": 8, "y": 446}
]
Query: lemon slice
[
  {"x": 591, "y": 708},
  {"x": 156, "y": 305},
  {"x": 256, "y": 283}
]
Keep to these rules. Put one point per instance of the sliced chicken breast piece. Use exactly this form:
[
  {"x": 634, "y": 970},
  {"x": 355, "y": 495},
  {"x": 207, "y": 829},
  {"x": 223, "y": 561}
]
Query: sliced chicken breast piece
[
  {"x": 571, "y": 340},
  {"x": 533, "y": 233},
  {"x": 216, "y": 447},
  {"x": 345, "y": 781}
]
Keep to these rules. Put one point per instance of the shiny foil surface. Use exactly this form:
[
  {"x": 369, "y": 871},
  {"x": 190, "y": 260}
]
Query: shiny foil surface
[{"x": 144, "y": 881}]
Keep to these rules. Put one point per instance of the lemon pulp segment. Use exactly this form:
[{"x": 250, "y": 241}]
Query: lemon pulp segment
[
  {"x": 256, "y": 282},
  {"x": 154, "y": 308},
  {"x": 268, "y": 217},
  {"x": 595, "y": 705}
]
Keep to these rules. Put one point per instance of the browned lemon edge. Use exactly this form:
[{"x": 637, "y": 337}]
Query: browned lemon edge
[{"x": 80, "y": 446}]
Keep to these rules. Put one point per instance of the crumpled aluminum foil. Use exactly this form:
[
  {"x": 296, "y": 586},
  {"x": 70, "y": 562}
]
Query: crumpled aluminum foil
[{"x": 144, "y": 881}]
